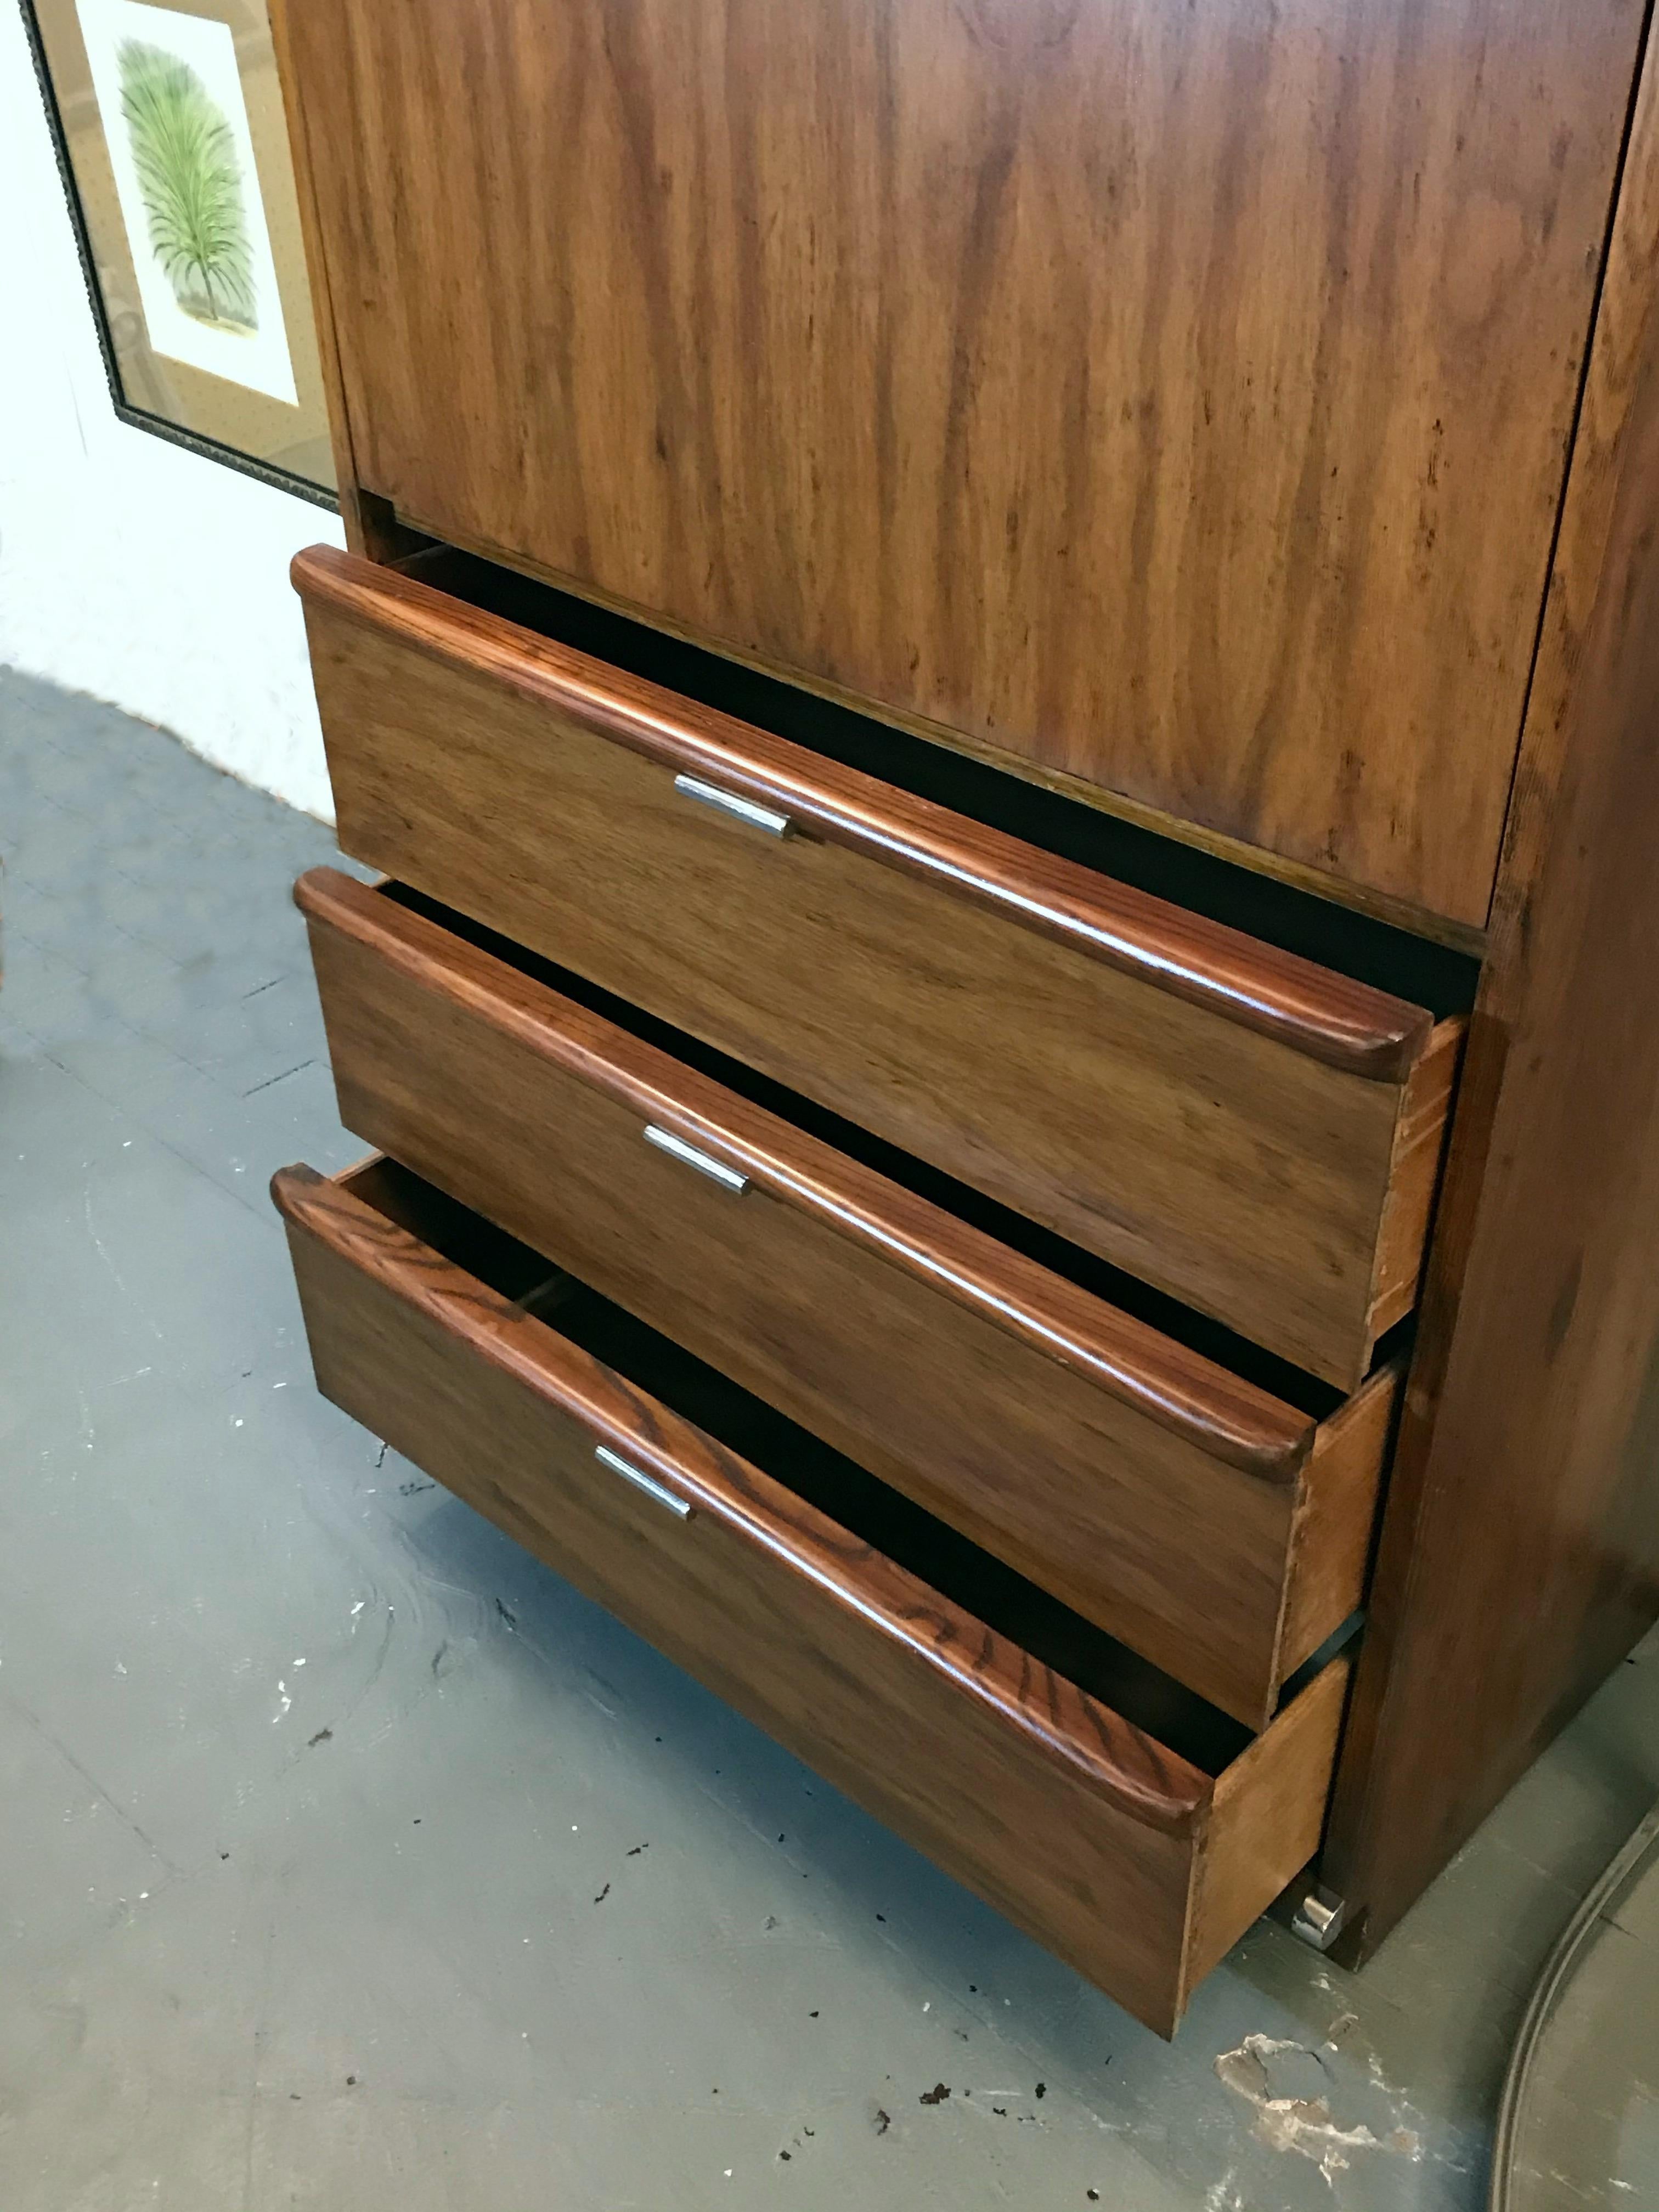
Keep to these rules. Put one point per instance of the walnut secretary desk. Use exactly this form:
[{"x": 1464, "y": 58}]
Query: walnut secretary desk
[{"x": 1003, "y": 658}]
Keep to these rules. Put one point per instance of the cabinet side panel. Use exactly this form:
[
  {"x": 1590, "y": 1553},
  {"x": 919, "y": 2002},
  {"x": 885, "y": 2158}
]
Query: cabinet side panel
[
  {"x": 345, "y": 468},
  {"x": 1520, "y": 1552},
  {"x": 298, "y": 37}
]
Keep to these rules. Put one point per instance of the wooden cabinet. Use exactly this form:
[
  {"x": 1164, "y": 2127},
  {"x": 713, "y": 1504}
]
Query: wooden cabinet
[
  {"x": 1171, "y": 400},
  {"x": 1002, "y": 657}
]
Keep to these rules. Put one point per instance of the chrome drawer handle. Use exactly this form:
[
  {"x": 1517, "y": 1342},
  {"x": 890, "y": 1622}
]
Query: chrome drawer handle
[
  {"x": 716, "y": 1170},
  {"x": 743, "y": 810},
  {"x": 618, "y": 1465}
]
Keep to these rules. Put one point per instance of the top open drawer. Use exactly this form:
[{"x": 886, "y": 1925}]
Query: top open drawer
[{"x": 1252, "y": 1133}]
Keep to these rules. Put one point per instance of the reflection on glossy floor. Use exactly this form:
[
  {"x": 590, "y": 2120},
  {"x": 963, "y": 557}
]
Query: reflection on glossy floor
[
  {"x": 351, "y": 1859},
  {"x": 1582, "y": 2129}
]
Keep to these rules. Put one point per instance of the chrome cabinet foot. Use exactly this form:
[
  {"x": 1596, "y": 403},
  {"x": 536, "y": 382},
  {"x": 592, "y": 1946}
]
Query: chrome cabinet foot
[{"x": 1319, "y": 1917}]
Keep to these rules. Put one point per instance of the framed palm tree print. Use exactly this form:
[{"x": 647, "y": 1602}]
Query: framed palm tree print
[{"x": 170, "y": 136}]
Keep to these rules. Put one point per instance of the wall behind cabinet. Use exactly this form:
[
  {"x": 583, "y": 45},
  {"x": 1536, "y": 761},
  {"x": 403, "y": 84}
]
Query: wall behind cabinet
[{"x": 129, "y": 568}]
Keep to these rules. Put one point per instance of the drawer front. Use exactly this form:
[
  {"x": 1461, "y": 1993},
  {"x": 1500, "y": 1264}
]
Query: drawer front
[
  {"x": 1240, "y": 1127},
  {"x": 1136, "y": 1866},
  {"x": 1207, "y": 1525}
]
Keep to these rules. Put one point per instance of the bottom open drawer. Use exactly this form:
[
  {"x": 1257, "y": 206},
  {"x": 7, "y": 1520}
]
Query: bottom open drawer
[{"x": 1129, "y": 1827}]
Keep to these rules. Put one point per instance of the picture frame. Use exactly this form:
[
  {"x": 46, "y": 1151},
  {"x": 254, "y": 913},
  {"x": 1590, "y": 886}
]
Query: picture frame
[{"x": 168, "y": 126}]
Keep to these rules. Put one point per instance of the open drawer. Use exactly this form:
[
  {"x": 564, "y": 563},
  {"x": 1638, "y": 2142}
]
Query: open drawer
[
  {"x": 1218, "y": 1521},
  {"x": 1255, "y": 1134},
  {"x": 1132, "y": 1828}
]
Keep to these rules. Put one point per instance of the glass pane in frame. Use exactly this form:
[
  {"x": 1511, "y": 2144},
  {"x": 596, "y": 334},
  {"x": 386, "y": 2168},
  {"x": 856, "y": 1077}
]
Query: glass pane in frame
[{"x": 175, "y": 155}]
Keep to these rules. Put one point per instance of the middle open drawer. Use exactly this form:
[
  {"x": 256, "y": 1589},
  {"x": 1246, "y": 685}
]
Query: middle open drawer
[{"x": 1202, "y": 1517}]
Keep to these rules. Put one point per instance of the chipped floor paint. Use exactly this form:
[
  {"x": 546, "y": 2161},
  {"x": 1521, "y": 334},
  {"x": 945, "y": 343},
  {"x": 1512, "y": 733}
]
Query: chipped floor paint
[{"x": 1302, "y": 2124}]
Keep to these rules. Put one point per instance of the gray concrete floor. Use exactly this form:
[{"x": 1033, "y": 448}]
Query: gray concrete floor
[{"x": 348, "y": 1858}]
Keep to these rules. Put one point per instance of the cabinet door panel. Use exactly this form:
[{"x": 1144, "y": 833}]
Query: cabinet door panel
[{"x": 1169, "y": 400}]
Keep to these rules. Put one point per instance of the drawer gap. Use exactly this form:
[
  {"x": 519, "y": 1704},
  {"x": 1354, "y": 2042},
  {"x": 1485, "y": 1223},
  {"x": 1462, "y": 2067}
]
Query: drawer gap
[
  {"x": 1211, "y": 1339},
  {"x": 878, "y": 1515},
  {"x": 1280, "y": 914}
]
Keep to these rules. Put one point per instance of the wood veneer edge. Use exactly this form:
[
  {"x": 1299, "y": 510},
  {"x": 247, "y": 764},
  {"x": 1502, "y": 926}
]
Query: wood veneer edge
[
  {"x": 1342, "y": 1487},
  {"x": 1415, "y": 1161}
]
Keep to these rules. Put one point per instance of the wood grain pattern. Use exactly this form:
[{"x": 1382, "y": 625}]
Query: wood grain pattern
[
  {"x": 1172, "y": 398},
  {"x": 1150, "y": 1490},
  {"x": 437, "y": 553},
  {"x": 1335, "y": 1520},
  {"x": 1419, "y": 1145},
  {"x": 1185, "y": 1145},
  {"x": 1261, "y": 1814},
  {"x": 1520, "y": 1550},
  {"x": 1087, "y": 1831},
  {"x": 1313, "y": 1010},
  {"x": 410, "y": 974}
]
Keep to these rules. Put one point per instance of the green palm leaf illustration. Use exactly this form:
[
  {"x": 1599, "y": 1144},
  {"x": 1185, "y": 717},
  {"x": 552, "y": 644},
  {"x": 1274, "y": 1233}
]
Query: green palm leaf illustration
[{"x": 190, "y": 179}]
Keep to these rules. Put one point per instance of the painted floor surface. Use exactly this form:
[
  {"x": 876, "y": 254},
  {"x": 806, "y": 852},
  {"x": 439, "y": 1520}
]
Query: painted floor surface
[
  {"x": 1585, "y": 2134},
  {"x": 349, "y": 1859}
]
